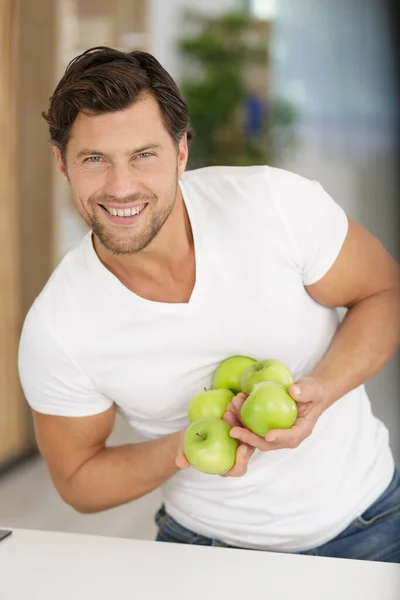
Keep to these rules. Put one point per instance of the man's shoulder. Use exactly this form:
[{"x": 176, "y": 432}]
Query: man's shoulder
[
  {"x": 224, "y": 175},
  {"x": 258, "y": 176},
  {"x": 224, "y": 171},
  {"x": 66, "y": 283},
  {"x": 230, "y": 188}
]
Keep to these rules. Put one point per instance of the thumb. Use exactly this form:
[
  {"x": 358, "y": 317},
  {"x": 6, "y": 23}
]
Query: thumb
[
  {"x": 298, "y": 393},
  {"x": 182, "y": 462}
]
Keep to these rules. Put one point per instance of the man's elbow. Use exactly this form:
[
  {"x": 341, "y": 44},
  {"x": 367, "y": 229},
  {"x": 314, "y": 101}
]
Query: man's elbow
[
  {"x": 78, "y": 504},
  {"x": 81, "y": 506},
  {"x": 84, "y": 509},
  {"x": 78, "y": 499}
]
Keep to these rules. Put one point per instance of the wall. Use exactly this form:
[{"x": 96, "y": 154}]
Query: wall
[
  {"x": 11, "y": 421},
  {"x": 37, "y": 43}
]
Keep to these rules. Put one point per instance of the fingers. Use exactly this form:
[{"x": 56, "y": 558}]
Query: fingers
[
  {"x": 276, "y": 439},
  {"x": 250, "y": 439},
  {"x": 296, "y": 392},
  {"x": 231, "y": 419},
  {"x": 243, "y": 455},
  {"x": 302, "y": 394},
  {"x": 182, "y": 462},
  {"x": 232, "y": 414},
  {"x": 239, "y": 400},
  {"x": 304, "y": 409},
  {"x": 306, "y": 390}
]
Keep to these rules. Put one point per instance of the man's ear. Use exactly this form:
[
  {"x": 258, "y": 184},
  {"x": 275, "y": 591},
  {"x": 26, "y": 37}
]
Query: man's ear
[
  {"x": 60, "y": 164},
  {"x": 183, "y": 153}
]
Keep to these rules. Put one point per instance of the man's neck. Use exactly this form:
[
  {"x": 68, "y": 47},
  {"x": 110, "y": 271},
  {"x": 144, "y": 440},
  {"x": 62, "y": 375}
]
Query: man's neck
[{"x": 163, "y": 257}]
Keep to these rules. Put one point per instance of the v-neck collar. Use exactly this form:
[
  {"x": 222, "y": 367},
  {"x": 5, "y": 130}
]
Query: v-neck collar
[{"x": 115, "y": 284}]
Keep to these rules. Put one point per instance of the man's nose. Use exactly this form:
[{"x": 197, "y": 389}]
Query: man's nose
[{"x": 122, "y": 181}]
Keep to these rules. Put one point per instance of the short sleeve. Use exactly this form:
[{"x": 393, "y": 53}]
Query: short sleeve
[
  {"x": 51, "y": 380},
  {"x": 315, "y": 224}
]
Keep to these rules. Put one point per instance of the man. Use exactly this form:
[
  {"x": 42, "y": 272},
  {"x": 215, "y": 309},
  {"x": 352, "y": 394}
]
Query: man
[{"x": 178, "y": 272}]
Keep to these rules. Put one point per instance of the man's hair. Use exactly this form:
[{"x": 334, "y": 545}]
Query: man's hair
[{"x": 104, "y": 80}]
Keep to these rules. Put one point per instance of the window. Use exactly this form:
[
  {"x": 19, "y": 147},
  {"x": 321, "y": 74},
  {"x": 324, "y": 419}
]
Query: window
[{"x": 263, "y": 9}]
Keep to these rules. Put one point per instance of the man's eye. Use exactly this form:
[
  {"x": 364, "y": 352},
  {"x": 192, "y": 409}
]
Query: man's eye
[
  {"x": 93, "y": 159},
  {"x": 144, "y": 154}
]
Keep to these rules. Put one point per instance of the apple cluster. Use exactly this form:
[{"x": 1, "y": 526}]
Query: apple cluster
[{"x": 207, "y": 444}]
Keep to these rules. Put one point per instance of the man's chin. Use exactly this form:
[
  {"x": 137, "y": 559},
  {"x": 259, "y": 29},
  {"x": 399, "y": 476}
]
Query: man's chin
[{"x": 117, "y": 247}]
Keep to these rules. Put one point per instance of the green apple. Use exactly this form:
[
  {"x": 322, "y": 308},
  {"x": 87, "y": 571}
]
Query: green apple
[
  {"x": 211, "y": 403},
  {"x": 265, "y": 370},
  {"x": 227, "y": 374},
  {"x": 208, "y": 446},
  {"x": 269, "y": 406}
]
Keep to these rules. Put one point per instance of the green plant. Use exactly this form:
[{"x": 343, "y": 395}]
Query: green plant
[{"x": 222, "y": 57}]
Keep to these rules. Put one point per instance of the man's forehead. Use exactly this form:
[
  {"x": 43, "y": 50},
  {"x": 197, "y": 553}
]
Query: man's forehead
[
  {"x": 141, "y": 112},
  {"x": 117, "y": 129}
]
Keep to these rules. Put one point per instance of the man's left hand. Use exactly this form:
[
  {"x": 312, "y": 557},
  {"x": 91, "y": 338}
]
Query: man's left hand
[{"x": 311, "y": 403}]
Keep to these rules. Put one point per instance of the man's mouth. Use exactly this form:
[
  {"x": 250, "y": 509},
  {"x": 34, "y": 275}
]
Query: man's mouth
[{"x": 124, "y": 212}]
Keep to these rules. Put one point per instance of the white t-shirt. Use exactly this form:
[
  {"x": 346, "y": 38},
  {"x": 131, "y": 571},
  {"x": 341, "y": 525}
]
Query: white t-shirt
[{"x": 260, "y": 235}]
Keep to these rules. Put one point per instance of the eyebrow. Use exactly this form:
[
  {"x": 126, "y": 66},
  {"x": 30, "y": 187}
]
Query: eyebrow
[{"x": 92, "y": 152}]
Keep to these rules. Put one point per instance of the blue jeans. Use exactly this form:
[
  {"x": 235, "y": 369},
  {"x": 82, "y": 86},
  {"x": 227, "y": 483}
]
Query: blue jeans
[{"x": 375, "y": 535}]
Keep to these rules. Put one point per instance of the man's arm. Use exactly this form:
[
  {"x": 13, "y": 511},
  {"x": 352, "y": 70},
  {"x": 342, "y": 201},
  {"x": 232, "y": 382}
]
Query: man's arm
[
  {"x": 366, "y": 280},
  {"x": 92, "y": 477}
]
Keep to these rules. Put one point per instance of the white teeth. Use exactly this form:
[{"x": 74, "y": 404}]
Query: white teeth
[
  {"x": 137, "y": 210},
  {"x": 126, "y": 212}
]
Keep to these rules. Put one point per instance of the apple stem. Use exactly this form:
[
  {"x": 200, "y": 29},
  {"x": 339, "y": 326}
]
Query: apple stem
[{"x": 203, "y": 437}]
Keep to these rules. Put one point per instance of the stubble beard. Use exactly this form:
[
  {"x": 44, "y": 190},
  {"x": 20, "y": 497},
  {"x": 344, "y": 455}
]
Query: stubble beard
[{"x": 123, "y": 245}]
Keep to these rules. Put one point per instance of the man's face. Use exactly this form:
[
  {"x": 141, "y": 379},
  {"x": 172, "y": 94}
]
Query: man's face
[{"x": 123, "y": 169}]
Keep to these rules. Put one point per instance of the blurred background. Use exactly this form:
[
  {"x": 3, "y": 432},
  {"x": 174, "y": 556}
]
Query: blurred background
[{"x": 307, "y": 85}]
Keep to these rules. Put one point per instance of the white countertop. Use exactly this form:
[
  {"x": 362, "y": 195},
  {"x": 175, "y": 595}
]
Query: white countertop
[{"x": 39, "y": 565}]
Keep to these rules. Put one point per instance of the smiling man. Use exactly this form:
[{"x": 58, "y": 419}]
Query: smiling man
[{"x": 179, "y": 271}]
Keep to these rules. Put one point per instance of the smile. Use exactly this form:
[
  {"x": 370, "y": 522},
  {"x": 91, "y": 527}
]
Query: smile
[{"x": 125, "y": 212}]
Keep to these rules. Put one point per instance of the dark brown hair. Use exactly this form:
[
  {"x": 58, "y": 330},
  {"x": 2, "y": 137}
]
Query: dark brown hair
[{"x": 103, "y": 80}]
